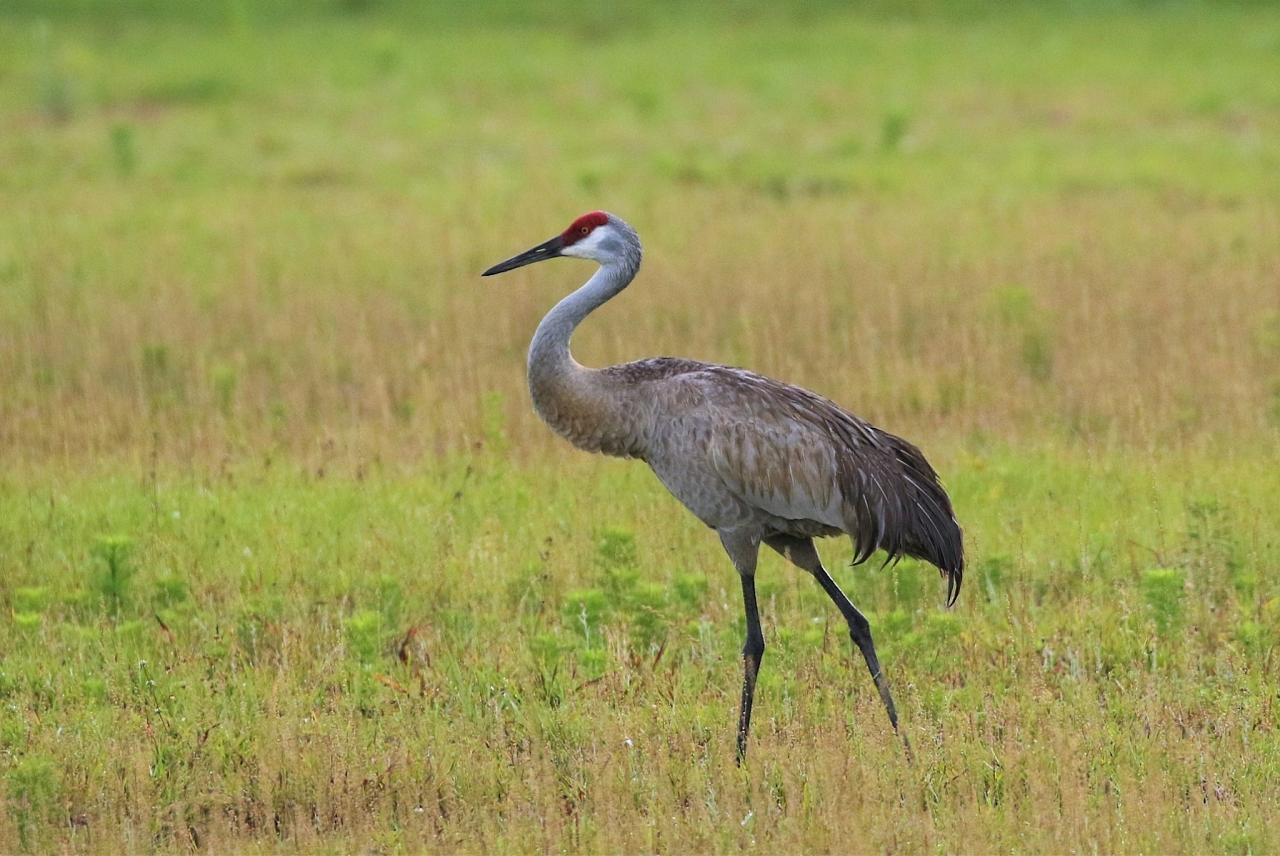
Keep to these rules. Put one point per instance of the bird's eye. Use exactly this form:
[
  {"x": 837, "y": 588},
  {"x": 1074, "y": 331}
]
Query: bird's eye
[{"x": 584, "y": 230}]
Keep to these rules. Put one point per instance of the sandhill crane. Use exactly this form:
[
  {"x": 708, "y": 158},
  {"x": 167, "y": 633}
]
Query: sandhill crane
[{"x": 757, "y": 460}]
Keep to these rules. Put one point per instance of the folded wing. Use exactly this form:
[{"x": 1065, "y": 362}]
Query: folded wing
[{"x": 798, "y": 456}]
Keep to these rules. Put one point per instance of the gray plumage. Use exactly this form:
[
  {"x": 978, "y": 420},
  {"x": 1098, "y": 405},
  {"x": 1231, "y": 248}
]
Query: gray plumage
[
  {"x": 758, "y": 460},
  {"x": 790, "y": 462}
]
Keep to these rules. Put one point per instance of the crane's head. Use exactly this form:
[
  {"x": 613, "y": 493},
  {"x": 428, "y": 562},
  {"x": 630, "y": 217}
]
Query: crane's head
[{"x": 598, "y": 236}]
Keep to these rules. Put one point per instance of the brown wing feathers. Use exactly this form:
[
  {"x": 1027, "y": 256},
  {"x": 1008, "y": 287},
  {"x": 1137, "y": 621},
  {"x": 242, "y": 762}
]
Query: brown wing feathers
[{"x": 893, "y": 500}]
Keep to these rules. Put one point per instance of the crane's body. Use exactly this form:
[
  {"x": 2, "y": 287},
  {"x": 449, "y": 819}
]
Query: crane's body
[{"x": 757, "y": 460}]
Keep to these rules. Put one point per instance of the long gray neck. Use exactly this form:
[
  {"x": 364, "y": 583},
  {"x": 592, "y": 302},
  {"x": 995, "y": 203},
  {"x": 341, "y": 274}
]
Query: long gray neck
[
  {"x": 585, "y": 406},
  {"x": 549, "y": 352}
]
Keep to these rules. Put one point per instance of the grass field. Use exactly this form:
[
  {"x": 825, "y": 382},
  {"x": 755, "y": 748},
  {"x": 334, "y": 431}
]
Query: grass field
[{"x": 287, "y": 562}]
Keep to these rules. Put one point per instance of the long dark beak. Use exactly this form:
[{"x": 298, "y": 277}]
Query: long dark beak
[{"x": 546, "y": 250}]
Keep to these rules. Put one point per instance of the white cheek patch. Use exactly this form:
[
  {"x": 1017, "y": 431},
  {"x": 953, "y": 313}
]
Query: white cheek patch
[{"x": 586, "y": 248}]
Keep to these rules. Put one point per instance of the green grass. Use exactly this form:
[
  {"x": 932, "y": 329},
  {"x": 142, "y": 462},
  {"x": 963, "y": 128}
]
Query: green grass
[
  {"x": 401, "y": 657},
  {"x": 286, "y": 561}
]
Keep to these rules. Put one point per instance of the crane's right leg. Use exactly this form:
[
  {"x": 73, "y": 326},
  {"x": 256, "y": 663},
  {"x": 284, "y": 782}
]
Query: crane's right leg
[
  {"x": 801, "y": 553},
  {"x": 744, "y": 551}
]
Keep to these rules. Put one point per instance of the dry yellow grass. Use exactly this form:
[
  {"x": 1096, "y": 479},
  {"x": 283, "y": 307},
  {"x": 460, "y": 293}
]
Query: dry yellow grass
[{"x": 1103, "y": 319}]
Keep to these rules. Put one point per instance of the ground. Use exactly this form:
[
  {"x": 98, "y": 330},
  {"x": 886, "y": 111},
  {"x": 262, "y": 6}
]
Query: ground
[{"x": 287, "y": 562}]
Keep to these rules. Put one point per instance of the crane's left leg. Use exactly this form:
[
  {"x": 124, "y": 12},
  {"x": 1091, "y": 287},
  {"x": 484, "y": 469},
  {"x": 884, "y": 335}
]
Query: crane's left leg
[
  {"x": 744, "y": 551},
  {"x": 801, "y": 553}
]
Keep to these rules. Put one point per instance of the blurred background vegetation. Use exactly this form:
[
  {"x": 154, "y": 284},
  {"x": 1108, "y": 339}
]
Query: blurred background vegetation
[{"x": 238, "y": 225}]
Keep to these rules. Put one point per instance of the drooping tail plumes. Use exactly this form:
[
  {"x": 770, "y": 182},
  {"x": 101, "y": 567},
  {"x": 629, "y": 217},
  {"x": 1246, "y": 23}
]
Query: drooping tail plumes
[{"x": 900, "y": 507}]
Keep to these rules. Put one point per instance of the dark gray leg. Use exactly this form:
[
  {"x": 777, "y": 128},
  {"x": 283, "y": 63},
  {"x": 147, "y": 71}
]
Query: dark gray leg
[
  {"x": 743, "y": 551},
  {"x": 752, "y": 653},
  {"x": 801, "y": 553}
]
